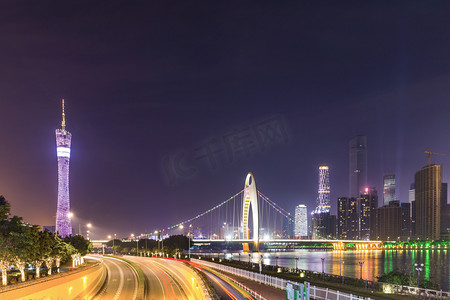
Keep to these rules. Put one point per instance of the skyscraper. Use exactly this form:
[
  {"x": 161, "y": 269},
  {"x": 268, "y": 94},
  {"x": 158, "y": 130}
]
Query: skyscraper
[
  {"x": 321, "y": 218},
  {"x": 368, "y": 203},
  {"x": 428, "y": 184},
  {"x": 347, "y": 218},
  {"x": 301, "y": 221},
  {"x": 323, "y": 199},
  {"x": 358, "y": 165},
  {"x": 388, "y": 222},
  {"x": 412, "y": 202},
  {"x": 388, "y": 188},
  {"x": 63, "y": 141}
]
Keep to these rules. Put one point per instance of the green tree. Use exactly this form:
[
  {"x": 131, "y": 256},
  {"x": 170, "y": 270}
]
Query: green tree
[
  {"x": 4, "y": 209},
  {"x": 43, "y": 242},
  {"x": 82, "y": 245}
]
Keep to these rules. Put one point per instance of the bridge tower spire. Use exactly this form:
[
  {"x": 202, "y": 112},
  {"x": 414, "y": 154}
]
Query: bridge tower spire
[{"x": 250, "y": 200}]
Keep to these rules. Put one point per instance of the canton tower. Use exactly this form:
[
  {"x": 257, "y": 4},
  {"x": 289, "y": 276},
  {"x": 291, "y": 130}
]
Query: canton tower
[{"x": 63, "y": 139}]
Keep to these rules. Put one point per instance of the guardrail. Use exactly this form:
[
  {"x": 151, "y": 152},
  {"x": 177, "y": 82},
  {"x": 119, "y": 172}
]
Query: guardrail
[
  {"x": 248, "y": 290},
  {"x": 315, "y": 292}
]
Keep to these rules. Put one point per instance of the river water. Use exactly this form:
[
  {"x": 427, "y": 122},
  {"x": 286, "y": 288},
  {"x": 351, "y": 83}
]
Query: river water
[{"x": 376, "y": 262}]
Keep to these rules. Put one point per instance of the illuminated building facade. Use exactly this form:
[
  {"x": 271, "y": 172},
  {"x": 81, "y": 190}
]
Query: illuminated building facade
[
  {"x": 368, "y": 203},
  {"x": 323, "y": 200},
  {"x": 322, "y": 221},
  {"x": 301, "y": 221},
  {"x": 388, "y": 188},
  {"x": 428, "y": 185},
  {"x": 63, "y": 142},
  {"x": 347, "y": 218}
]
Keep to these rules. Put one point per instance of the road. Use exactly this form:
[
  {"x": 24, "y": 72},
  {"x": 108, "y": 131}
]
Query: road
[
  {"x": 169, "y": 279},
  {"x": 223, "y": 288},
  {"x": 166, "y": 279},
  {"x": 121, "y": 282}
]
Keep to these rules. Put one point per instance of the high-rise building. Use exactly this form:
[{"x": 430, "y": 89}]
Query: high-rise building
[
  {"x": 321, "y": 218},
  {"x": 323, "y": 199},
  {"x": 301, "y": 221},
  {"x": 388, "y": 188},
  {"x": 428, "y": 185},
  {"x": 387, "y": 222},
  {"x": 358, "y": 165},
  {"x": 368, "y": 203},
  {"x": 406, "y": 218},
  {"x": 63, "y": 142},
  {"x": 288, "y": 227},
  {"x": 445, "y": 213},
  {"x": 412, "y": 202},
  {"x": 347, "y": 219},
  {"x": 323, "y": 226}
]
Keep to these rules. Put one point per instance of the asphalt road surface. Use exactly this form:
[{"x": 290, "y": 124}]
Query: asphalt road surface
[
  {"x": 223, "y": 288},
  {"x": 166, "y": 279},
  {"x": 169, "y": 279},
  {"x": 121, "y": 281}
]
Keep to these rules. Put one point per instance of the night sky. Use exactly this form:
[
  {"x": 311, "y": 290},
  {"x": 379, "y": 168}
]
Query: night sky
[{"x": 147, "y": 84}]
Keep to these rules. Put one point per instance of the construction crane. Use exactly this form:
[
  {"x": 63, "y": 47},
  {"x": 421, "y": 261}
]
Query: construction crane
[{"x": 429, "y": 155}]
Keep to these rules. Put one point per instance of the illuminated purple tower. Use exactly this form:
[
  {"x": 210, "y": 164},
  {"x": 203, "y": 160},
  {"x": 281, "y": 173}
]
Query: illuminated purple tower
[{"x": 63, "y": 139}]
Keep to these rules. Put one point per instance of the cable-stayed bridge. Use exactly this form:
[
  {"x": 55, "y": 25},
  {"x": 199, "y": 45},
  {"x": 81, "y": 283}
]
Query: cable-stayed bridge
[{"x": 252, "y": 219}]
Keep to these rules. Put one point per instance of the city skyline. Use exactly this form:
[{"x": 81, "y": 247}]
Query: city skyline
[{"x": 141, "y": 101}]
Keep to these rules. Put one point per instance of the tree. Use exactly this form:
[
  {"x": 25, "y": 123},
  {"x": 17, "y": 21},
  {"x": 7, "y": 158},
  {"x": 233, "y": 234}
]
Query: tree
[
  {"x": 82, "y": 245},
  {"x": 43, "y": 242},
  {"x": 4, "y": 209},
  {"x": 5, "y": 250}
]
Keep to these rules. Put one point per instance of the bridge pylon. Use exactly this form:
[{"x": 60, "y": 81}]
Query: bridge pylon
[{"x": 250, "y": 201}]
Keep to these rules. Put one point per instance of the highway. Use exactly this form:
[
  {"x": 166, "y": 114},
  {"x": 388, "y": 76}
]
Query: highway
[
  {"x": 223, "y": 288},
  {"x": 121, "y": 282},
  {"x": 166, "y": 279},
  {"x": 169, "y": 279}
]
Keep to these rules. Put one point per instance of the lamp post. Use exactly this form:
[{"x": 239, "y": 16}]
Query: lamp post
[
  {"x": 189, "y": 250},
  {"x": 137, "y": 245},
  {"x": 114, "y": 248},
  {"x": 361, "y": 263},
  {"x": 323, "y": 274},
  {"x": 340, "y": 270},
  {"x": 296, "y": 264},
  {"x": 88, "y": 225},
  {"x": 276, "y": 261},
  {"x": 419, "y": 268}
]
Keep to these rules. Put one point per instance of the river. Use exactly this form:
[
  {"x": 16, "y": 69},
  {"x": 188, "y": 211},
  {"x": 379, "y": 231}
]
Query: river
[{"x": 376, "y": 262}]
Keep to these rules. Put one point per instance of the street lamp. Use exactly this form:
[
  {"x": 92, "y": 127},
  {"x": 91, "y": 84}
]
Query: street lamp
[
  {"x": 189, "y": 250},
  {"x": 419, "y": 268},
  {"x": 361, "y": 263},
  {"x": 88, "y": 225},
  {"x": 137, "y": 244},
  {"x": 296, "y": 264},
  {"x": 323, "y": 274},
  {"x": 340, "y": 270}
]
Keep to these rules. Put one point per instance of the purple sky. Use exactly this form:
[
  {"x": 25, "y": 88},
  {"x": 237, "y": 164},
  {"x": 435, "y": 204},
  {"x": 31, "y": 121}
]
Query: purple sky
[{"x": 146, "y": 81}]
